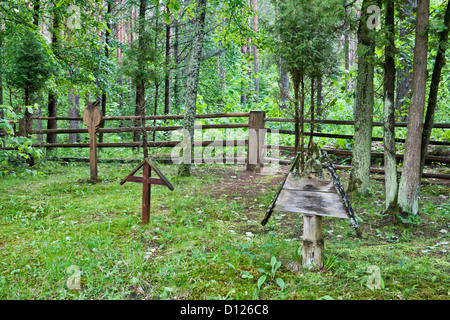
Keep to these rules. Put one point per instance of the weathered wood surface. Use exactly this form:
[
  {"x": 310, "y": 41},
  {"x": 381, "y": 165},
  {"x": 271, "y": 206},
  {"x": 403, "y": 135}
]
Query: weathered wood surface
[
  {"x": 146, "y": 192},
  {"x": 308, "y": 183},
  {"x": 275, "y": 198},
  {"x": 313, "y": 244},
  {"x": 92, "y": 117},
  {"x": 256, "y": 138},
  {"x": 311, "y": 203}
]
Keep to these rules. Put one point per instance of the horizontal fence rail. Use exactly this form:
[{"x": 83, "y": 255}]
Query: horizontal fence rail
[
  {"x": 256, "y": 120},
  {"x": 351, "y": 122}
]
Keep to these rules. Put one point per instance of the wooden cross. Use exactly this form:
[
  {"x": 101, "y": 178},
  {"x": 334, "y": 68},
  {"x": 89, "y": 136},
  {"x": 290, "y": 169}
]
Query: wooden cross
[
  {"x": 147, "y": 181},
  {"x": 92, "y": 117}
]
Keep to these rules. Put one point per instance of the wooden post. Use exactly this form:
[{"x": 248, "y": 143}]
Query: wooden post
[
  {"x": 256, "y": 139},
  {"x": 92, "y": 116},
  {"x": 313, "y": 245},
  {"x": 147, "y": 181},
  {"x": 146, "y": 193}
]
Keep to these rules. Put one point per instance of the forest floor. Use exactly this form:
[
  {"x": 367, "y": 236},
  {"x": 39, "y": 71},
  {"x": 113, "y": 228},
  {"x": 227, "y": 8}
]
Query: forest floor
[{"x": 205, "y": 240}]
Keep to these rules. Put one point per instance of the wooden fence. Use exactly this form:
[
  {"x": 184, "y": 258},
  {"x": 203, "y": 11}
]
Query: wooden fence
[{"x": 255, "y": 122}]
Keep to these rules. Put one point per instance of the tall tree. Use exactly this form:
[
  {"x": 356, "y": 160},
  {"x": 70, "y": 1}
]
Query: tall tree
[
  {"x": 255, "y": 50},
  {"x": 408, "y": 193},
  {"x": 52, "y": 104},
  {"x": 140, "y": 77},
  {"x": 390, "y": 162},
  {"x": 192, "y": 87},
  {"x": 167, "y": 67},
  {"x": 107, "y": 44},
  {"x": 363, "y": 113},
  {"x": 439, "y": 63},
  {"x": 404, "y": 74}
]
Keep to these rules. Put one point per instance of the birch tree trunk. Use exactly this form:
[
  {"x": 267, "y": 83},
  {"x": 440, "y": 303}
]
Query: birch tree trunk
[
  {"x": 184, "y": 168},
  {"x": 74, "y": 111},
  {"x": 390, "y": 162},
  {"x": 408, "y": 193}
]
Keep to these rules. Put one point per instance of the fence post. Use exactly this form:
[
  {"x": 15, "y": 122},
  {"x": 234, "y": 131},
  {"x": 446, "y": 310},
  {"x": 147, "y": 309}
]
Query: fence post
[{"x": 256, "y": 139}]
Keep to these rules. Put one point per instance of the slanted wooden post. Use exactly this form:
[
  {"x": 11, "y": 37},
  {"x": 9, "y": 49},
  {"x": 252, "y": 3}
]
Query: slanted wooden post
[
  {"x": 256, "y": 139},
  {"x": 313, "y": 245},
  {"x": 92, "y": 116}
]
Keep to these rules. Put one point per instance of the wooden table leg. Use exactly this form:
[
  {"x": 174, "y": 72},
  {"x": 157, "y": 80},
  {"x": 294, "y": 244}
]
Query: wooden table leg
[
  {"x": 313, "y": 245},
  {"x": 146, "y": 193}
]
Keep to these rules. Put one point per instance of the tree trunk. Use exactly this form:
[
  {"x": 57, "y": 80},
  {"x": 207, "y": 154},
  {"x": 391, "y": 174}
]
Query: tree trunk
[
  {"x": 302, "y": 123},
  {"x": 255, "y": 50},
  {"x": 107, "y": 40},
  {"x": 176, "y": 80},
  {"x": 296, "y": 85},
  {"x": 284, "y": 75},
  {"x": 404, "y": 74},
  {"x": 363, "y": 115},
  {"x": 347, "y": 58},
  {"x": 311, "y": 132},
  {"x": 52, "y": 98},
  {"x": 155, "y": 107},
  {"x": 284, "y": 79},
  {"x": 408, "y": 193},
  {"x": 37, "y": 6},
  {"x": 192, "y": 86},
  {"x": 74, "y": 111},
  {"x": 167, "y": 73},
  {"x": 390, "y": 162},
  {"x": 434, "y": 88},
  {"x": 319, "y": 101},
  {"x": 140, "y": 80},
  {"x": 243, "y": 82}
]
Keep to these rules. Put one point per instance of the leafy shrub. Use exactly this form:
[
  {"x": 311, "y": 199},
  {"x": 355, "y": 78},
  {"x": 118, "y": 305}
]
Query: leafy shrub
[{"x": 16, "y": 151}]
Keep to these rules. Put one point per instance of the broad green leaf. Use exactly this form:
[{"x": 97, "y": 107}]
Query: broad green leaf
[
  {"x": 281, "y": 283},
  {"x": 166, "y": 17},
  {"x": 261, "y": 280}
]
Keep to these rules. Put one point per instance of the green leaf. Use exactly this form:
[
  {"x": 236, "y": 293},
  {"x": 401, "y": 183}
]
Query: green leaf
[
  {"x": 261, "y": 280},
  {"x": 281, "y": 283},
  {"x": 174, "y": 6},
  {"x": 30, "y": 110},
  {"x": 166, "y": 17},
  {"x": 273, "y": 261},
  {"x": 60, "y": 3},
  {"x": 381, "y": 283}
]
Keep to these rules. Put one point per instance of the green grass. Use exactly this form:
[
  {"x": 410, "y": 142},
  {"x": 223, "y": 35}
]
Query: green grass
[{"x": 205, "y": 241}]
